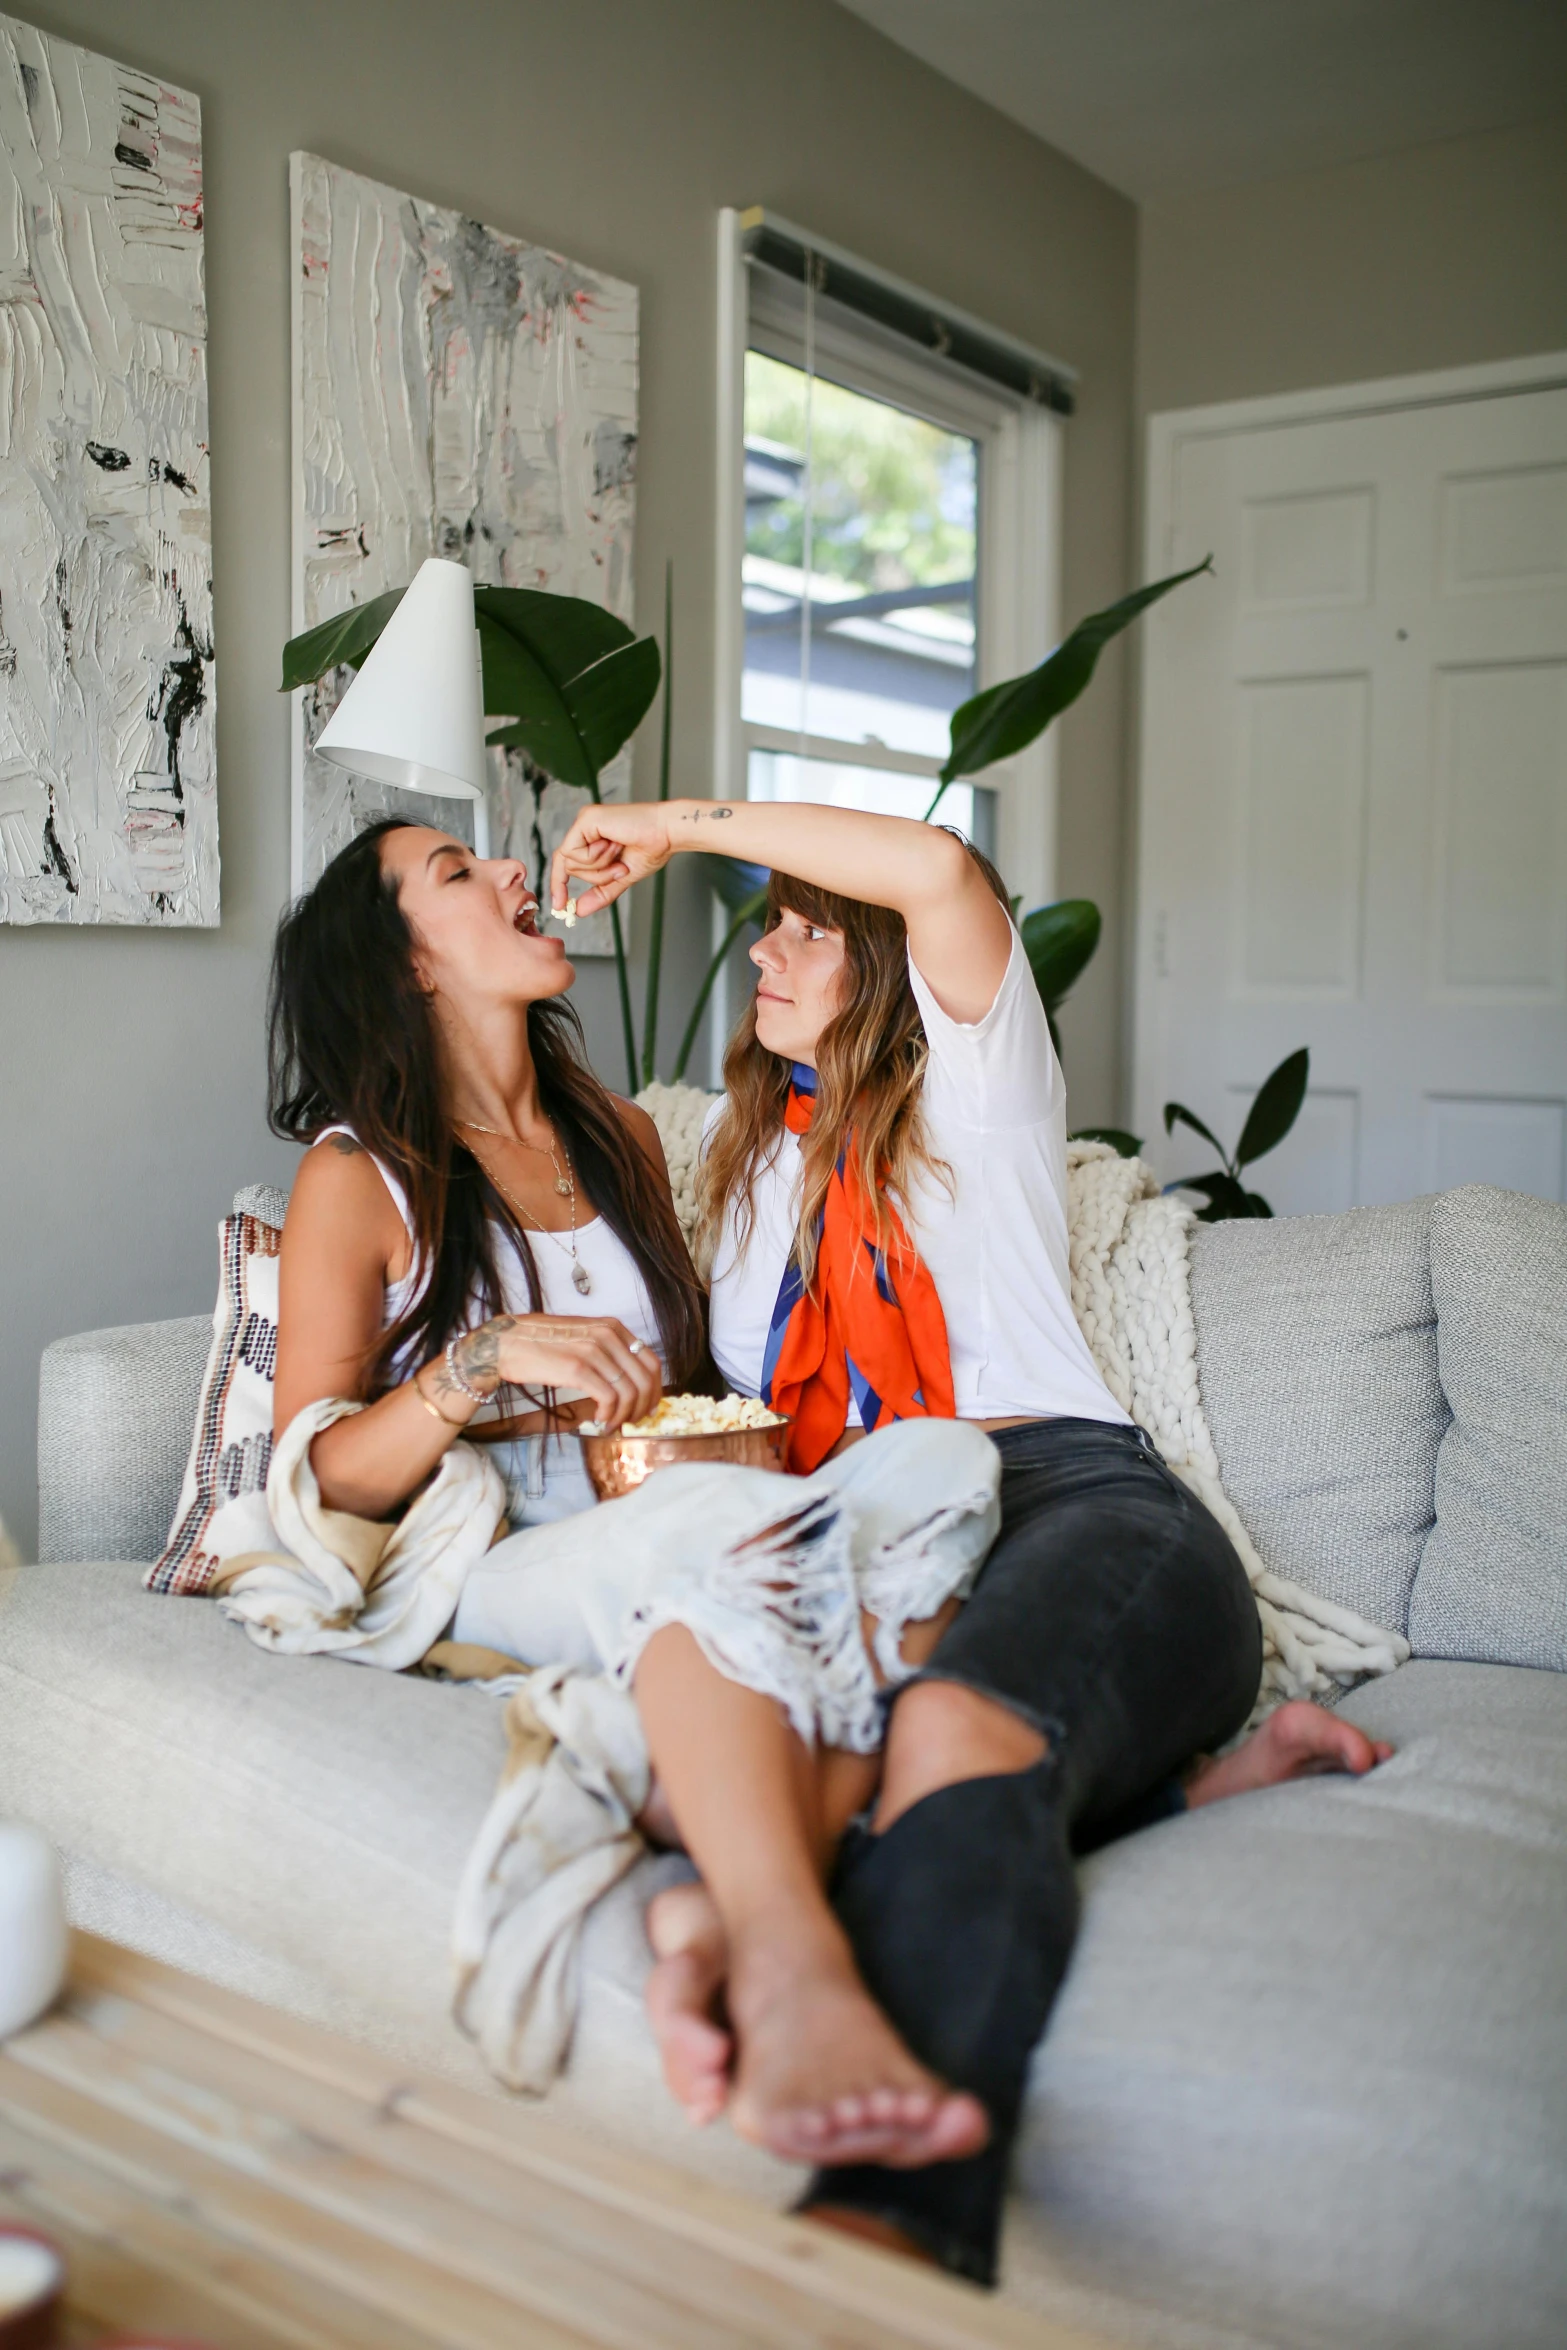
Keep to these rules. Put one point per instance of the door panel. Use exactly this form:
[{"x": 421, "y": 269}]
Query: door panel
[{"x": 1354, "y": 795}]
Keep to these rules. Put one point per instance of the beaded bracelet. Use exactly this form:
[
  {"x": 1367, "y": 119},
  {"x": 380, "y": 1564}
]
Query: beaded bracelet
[{"x": 474, "y": 1394}]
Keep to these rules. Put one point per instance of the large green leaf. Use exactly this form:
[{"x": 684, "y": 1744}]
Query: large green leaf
[
  {"x": 571, "y": 680},
  {"x": 345, "y": 640},
  {"x": 1058, "y": 941},
  {"x": 565, "y": 634},
  {"x": 1275, "y": 1109},
  {"x": 1005, "y": 719},
  {"x": 610, "y": 700},
  {"x": 571, "y": 730},
  {"x": 736, "y": 883},
  {"x": 1174, "y": 1110},
  {"x": 540, "y": 720}
]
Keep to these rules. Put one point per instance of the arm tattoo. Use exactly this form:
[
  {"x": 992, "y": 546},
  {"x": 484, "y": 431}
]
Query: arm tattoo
[
  {"x": 349, "y": 1148},
  {"x": 707, "y": 816}
]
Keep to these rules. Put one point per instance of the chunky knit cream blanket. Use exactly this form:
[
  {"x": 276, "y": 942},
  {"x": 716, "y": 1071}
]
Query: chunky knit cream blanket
[{"x": 1131, "y": 1293}]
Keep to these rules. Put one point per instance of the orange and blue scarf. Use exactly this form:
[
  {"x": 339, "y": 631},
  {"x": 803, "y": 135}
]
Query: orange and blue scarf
[{"x": 874, "y": 1329}]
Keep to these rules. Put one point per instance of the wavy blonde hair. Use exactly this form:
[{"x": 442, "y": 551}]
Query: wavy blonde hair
[{"x": 870, "y": 1069}]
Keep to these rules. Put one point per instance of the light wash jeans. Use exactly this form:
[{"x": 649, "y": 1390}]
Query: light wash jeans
[{"x": 770, "y": 1574}]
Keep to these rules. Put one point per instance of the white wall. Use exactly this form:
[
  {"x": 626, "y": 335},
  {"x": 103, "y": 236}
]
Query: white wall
[
  {"x": 131, "y": 1063},
  {"x": 1440, "y": 256}
]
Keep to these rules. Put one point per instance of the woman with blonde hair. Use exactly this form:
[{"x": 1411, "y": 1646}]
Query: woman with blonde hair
[{"x": 885, "y": 1211}]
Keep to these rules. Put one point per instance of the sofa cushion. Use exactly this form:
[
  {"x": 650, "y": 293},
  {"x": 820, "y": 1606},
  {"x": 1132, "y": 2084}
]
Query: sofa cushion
[
  {"x": 295, "y": 1827},
  {"x": 115, "y": 1409},
  {"x": 318, "y": 1810},
  {"x": 1309, "y": 2069},
  {"x": 1493, "y": 1576},
  {"x": 1317, "y": 1352}
]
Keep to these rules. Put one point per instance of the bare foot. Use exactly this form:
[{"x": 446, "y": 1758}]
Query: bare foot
[
  {"x": 1298, "y": 1741},
  {"x": 684, "y": 1996},
  {"x": 822, "y": 2076}
]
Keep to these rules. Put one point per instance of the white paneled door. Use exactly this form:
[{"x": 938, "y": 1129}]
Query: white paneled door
[{"x": 1353, "y": 815}]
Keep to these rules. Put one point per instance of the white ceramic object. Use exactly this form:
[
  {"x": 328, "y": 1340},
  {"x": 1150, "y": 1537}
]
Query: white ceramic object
[
  {"x": 414, "y": 716},
  {"x": 32, "y": 2278},
  {"x": 32, "y": 1925}
]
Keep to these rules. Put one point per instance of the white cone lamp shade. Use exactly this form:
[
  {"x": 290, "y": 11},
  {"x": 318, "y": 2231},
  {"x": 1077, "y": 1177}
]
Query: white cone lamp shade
[{"x": 414, "y": 716}]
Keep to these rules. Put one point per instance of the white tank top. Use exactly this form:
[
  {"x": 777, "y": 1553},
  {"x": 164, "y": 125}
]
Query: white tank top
[
  {"x": 544, "y": 1481},
  {"x": 994, "y": 1106}
]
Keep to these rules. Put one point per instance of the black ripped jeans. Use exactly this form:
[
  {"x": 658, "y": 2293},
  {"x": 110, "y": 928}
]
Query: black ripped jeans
[{"x": 1113, "y": 1615}]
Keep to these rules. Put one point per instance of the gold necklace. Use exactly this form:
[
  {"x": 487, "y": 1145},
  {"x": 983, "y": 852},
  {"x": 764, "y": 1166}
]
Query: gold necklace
[
  {"x": 563, "y": 1183},
  {"x": 581, "y": 1278}
]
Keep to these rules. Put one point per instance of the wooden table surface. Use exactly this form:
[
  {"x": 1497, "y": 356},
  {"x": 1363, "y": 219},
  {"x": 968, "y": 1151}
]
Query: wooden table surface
[{"x": 218, "y": 2171}]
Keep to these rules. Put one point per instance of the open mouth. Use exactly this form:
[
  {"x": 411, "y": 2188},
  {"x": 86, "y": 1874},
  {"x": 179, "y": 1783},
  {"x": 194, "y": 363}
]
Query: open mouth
[{"x": 525, "y": 918}]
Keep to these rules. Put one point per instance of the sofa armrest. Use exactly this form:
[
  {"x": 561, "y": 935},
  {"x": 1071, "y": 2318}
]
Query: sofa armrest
[{"x": 116, "y": 1410}]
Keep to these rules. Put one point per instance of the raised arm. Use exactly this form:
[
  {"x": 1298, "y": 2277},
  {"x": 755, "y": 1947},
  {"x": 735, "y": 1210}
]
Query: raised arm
[{"x": 959, "y": 936}]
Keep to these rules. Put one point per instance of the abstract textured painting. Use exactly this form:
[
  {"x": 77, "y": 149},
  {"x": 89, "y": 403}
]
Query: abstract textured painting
[
  {"x": 108, "y": 788},
  {"x": 457, "y": 393}
]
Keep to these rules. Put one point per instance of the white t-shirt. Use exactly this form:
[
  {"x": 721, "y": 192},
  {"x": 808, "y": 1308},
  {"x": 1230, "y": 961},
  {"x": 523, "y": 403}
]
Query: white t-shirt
[{"x": 994, "y": 1106}]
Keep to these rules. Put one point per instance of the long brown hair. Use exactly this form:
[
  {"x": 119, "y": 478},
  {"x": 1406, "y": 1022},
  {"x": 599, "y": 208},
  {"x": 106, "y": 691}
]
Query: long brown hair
[
  {"x": 870, "y": 1068},
  {"x": 352, "y": 1038}
]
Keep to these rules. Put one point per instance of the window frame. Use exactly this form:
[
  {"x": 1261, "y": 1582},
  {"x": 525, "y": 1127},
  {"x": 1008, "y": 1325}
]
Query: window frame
[{"x": 1017, "y": 592}]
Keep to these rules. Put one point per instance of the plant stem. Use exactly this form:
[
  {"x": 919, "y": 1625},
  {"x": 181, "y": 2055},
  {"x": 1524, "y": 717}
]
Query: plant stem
[
  {"x": 626, "y": 1022},
  {"x": 751, "y": 911},
  {"x": 941, "y": 793},
  {"x": 655, "y": 944},
  {"x": 628, "y": 1027}
]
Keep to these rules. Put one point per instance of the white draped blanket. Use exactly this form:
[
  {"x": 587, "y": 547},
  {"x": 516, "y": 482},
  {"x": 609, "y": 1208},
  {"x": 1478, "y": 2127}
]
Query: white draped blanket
[{"x": 1132, "y": 1295}]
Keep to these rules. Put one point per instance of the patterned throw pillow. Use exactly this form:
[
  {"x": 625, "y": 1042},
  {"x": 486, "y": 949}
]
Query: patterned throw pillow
[{"x": 222, "y": 1510}]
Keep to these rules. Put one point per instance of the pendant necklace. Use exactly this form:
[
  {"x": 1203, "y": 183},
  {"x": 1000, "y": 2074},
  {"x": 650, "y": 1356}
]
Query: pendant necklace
[
  {"x": 581, "y": 1278},
  {"x": 562, "y": 1185}
]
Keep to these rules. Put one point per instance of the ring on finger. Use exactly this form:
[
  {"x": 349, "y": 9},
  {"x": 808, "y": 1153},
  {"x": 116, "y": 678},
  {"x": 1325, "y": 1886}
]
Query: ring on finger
[{"x": 635, "y": 1346}]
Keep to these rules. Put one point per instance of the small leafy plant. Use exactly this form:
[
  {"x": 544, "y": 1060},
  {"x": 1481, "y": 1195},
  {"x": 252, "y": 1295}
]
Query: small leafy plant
[{"x": 1269, "y": 1119}]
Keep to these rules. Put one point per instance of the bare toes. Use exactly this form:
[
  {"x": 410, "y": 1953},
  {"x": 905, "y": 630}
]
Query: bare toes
[{"x": 693, "y": 2046}]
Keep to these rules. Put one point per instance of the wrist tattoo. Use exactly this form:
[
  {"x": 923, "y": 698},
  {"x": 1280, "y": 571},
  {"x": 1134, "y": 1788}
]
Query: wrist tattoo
[
  {"x": 707, "y": 816},
  {"x": 476, "y": 1356}
]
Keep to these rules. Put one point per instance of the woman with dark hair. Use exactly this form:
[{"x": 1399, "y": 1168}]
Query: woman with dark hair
[
  {"x": 885, "y": 1204},
  {"x": 481, "y": 1242},
  {"x": 481, "y": 1238}
]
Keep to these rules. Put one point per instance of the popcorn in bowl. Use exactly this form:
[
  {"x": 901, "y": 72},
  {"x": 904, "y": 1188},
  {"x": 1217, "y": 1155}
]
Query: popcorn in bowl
[
  {"x": 687, "y": 1428},
  {"x": 703, "y": 1415},
  {"x": 695, "y": 1415}
]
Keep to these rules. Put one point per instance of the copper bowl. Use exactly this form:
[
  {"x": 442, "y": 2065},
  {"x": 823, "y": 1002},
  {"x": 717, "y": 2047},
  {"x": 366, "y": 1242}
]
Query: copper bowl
[{"x": 618, "y": 1464}]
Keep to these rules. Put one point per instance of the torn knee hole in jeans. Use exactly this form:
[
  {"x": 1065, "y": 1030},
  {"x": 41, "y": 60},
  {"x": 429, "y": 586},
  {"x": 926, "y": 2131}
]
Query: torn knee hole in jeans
[{"x": 783, "y": 1611}]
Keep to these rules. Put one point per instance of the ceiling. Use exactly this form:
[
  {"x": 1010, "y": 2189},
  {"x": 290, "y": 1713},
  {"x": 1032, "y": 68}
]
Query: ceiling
[{"x": 1159, "y": 96}]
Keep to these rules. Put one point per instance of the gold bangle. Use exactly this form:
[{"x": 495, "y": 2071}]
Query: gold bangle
[{"x": 434, "y": 1410}]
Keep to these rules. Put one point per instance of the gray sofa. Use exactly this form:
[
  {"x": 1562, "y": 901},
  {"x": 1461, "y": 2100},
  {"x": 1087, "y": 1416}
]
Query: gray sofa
[{"x": 1307, "y": 2082}]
